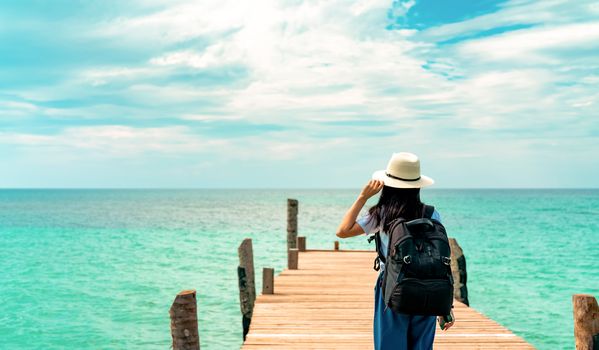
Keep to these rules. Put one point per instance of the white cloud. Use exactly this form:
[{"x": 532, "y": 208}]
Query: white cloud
[
  {"x": 100, "y": 76},
  {"x": 17, "y": 108},
  {"x": 16, "y": 105},
  {"x": 310, "y": 61},
  {"x": 532, "y": 45},
  {"x": 315, "y": 67},
  {"x": 363, "y": 6},
  {"x": 213, "y": 56},
  {"x": 322, "y": 61},
  {"x": 116, "y": 141},
  {"x": 208, "y": 117},
  {"x": 285, "y": 148},
  {"x": 302, "y": 59},
  {"x": 401, "y": 8},
  {"x": 179, "y": 22}
]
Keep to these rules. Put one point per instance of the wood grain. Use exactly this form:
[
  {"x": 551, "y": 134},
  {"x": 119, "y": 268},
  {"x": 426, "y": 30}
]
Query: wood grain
[
  {"x": 184, "y": 321},
  {"x": 586, "y": 321},
  {"x": 328, "y": 303}
]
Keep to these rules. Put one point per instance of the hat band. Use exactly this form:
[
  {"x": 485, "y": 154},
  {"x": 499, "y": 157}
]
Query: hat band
[{"x": 399, "y": 178}]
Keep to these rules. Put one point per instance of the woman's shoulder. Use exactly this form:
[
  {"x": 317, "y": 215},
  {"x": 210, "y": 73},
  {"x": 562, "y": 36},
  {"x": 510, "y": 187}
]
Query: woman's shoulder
[{"x": 368, "y": 223}]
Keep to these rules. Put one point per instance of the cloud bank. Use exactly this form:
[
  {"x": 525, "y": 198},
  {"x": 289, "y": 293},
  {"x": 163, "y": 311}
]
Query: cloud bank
[{"x": 298, "y": 93}]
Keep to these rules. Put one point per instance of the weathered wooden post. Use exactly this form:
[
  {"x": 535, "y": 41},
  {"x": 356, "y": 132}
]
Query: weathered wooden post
[
  {"x": 268, "y": 280},
  {"x": 184, "y": 321},
  {"x": 458, "y": 270},
  {"x": 301, "y": 244},
  {"x": 586, "y": 322},
  {"x": 336, "y": 245},
  {"x": 292, "y": 259},
  {"x": 247, "y": 286},
  {"x": 244, "y": 300},
  {"x": 292, "y": 208}
]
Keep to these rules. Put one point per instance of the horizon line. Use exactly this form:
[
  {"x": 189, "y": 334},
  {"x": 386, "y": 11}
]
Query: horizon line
[{"x": 286, "y": 188}]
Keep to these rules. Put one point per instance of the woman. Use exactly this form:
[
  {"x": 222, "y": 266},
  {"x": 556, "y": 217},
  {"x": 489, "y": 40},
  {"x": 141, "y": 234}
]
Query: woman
[{"x": 400, "y": 197}]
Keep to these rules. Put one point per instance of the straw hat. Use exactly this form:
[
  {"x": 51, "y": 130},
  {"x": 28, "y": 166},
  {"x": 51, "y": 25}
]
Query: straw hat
[{"x": 403, "y": 171}]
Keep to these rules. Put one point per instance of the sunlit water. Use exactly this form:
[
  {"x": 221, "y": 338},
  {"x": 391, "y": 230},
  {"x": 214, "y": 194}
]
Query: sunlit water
[{"x": 98, "y": 269}]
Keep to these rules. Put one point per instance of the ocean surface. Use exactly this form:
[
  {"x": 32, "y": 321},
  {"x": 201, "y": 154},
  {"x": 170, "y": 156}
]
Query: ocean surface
[{"x": 98, "y": 269}]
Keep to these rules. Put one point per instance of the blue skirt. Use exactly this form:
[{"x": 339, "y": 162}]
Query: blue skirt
[{"x": 393, "y": 331}]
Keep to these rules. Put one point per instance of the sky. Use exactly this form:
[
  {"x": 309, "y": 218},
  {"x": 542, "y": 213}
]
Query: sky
[{"x": 297, "y": 94}]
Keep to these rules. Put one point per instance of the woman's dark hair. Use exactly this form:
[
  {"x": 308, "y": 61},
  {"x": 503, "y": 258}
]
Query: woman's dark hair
[{"x": 394, "y": 203}]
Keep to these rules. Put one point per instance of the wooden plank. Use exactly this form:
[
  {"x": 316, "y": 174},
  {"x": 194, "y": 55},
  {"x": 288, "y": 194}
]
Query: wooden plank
[{"x": 328, "y": 303}]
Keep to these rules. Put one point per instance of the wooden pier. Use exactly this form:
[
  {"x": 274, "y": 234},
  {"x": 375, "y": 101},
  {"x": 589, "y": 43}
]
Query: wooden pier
[
  {"x": 328, "y": 303},
  {"x": 325, "y": 300}
]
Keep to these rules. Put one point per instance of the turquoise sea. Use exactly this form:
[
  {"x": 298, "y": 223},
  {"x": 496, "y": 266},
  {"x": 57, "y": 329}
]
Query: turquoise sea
[{"x": 98, "y": 269}]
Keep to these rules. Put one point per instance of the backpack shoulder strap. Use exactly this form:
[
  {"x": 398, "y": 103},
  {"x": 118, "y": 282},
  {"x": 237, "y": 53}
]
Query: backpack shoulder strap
[
  {"x": 427, "y": 211},
  {"x": 377, "y": 241},
  {"x": 380, "y": 256}
]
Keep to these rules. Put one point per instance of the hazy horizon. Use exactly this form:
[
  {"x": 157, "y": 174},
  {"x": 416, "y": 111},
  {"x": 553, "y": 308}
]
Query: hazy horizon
[{"x": 288, "y": 188}]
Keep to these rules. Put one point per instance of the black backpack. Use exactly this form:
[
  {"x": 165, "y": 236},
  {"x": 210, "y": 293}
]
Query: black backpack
[{"x": 417, "y": 279}]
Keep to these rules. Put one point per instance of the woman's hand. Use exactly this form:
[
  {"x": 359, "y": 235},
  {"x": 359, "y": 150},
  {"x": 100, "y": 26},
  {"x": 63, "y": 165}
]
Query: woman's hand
[
  {"x": 371, "y": 188},
  {"x": 447, "y": 324}
]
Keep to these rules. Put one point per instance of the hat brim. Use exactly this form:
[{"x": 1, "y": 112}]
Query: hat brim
[{"x": 391, "y": 182}]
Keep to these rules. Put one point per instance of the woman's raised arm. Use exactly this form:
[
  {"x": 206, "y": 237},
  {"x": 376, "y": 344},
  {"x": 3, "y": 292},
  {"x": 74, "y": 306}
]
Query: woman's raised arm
[{"x": 348, "y": 226}]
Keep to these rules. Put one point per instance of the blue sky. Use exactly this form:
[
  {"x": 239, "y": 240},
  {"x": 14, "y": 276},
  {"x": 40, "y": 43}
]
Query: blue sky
[{"x": 297, "y": 93}]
